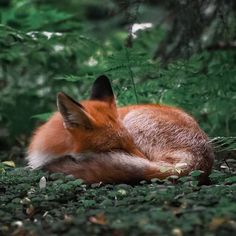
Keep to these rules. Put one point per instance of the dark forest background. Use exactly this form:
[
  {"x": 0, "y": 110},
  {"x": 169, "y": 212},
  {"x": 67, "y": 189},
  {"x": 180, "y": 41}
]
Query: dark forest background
[{"x": 184, "y": 57}]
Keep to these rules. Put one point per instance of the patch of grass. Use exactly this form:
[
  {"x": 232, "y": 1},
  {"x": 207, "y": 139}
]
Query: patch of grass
[{"x": 38, "y": 203}]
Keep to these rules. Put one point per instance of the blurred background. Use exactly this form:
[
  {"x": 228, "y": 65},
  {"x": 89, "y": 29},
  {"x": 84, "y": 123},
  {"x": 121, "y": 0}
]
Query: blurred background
[{"x": 177, "y": 52}]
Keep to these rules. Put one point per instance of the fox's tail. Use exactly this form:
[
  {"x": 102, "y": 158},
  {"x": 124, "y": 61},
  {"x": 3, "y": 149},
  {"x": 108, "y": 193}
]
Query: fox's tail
[{"x": 115, "y": 167}]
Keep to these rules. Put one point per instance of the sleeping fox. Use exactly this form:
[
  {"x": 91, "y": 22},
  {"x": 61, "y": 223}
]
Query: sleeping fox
[{"x": 99, "y": 142}]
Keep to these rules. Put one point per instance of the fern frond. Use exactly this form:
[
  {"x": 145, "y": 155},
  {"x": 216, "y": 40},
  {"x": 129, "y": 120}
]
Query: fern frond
[{"x": 222, "y": 144}]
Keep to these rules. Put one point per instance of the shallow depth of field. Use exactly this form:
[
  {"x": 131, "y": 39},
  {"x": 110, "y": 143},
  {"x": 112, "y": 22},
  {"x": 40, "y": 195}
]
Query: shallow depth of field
[{"x": 177, "y": 52}]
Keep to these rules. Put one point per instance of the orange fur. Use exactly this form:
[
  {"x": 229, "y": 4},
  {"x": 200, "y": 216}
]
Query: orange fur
[{"x": 96, "y": 141}]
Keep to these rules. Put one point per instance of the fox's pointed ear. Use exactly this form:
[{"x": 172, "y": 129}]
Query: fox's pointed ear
[
  {"x": 73, "y": 113},
  {"x": 102, "y": 90}
]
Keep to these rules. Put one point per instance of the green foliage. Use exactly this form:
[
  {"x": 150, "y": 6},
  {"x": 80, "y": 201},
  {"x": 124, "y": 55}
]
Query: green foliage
[
  {"x": 42, "y": 117},
  {"x": 224, "y": 143}
]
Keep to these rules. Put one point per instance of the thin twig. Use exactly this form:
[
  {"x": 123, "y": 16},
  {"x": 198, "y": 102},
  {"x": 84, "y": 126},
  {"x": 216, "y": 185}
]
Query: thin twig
[
  {"x": 131, "y": 74},
  {"x": 129, "y": 44}
]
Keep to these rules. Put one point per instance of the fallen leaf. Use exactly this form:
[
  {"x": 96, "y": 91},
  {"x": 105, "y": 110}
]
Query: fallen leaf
[
  {"x": 216, "y": 223},
  {"x": 177, "y": 232},
  {"x": 30, "y": 210},
  {"x": 42, "y": 183},
  {"x": 9, "y": 163},
  {"x": 99, "y": 219}
]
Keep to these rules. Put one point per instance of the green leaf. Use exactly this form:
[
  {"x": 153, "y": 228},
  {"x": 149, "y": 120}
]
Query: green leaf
[
  {"x": 43, "y": 116},
  {"x": 230, "y": 180}
]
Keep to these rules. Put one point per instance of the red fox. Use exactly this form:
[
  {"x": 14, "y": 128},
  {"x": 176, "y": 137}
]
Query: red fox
[{"x": 98, "y": 142}]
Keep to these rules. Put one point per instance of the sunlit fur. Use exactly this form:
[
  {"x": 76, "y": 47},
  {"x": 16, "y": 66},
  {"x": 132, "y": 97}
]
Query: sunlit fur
[{"x": 127, "y": 144}]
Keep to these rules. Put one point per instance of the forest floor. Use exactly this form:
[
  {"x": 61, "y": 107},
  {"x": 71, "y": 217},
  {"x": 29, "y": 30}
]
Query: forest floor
[{"x": 38, "y": 203}]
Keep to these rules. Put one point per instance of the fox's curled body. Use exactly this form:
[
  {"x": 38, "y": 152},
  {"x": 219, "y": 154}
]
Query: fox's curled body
[{"x": 96, "y": 141}]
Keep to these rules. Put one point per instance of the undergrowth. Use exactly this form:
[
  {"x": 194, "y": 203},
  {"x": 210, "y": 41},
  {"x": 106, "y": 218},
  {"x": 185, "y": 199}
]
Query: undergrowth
[{"x": 37, "y": 203}]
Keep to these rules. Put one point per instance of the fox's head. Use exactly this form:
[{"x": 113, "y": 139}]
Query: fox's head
[{"x": 94, "y": 124}]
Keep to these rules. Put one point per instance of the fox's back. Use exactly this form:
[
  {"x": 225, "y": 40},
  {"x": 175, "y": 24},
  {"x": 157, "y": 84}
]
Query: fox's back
[{"x": 167, "y": 134}]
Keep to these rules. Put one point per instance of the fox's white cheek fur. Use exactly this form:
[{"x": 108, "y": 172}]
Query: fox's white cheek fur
[{"x": 37, "y": 159}]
